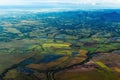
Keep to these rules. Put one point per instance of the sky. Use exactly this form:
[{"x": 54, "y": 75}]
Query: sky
[{"x": 92, "y": 3}]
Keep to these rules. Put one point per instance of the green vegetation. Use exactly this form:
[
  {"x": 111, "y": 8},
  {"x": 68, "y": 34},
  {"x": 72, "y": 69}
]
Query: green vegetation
[
  {"x": 108, "y": 47},
  {"x": 39, "y": 44},
  {"x": 106, "y": 72}
]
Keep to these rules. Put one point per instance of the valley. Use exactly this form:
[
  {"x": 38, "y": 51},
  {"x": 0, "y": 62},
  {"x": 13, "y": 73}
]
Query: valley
[{"x": 70, "y": 45}]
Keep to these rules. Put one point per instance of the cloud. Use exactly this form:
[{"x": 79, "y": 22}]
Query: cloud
[{"x": 77, "y": 2}]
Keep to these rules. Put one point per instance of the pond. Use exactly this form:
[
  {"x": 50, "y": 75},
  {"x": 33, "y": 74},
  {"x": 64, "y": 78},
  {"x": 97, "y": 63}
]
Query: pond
[
  {"x": 50, "y": 57},
  {"x": 74, "y": 53},
  {"x": 25, "y": 70}
]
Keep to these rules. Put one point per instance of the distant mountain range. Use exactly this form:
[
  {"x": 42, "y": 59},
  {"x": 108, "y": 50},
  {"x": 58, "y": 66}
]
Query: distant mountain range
[{"x": 112, "y": 16}]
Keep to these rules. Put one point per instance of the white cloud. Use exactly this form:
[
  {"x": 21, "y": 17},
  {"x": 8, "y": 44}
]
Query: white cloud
[{"x": 29, "y": 2}]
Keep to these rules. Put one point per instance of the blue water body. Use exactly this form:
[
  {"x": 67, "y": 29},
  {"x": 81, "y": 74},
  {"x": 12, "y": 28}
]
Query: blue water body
[
  {"x": 75, "y": 53},
  {"x": 25, "y": 70},
  {"x": 27, "y": 61},
  {"x": 49, "y": 58}
]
